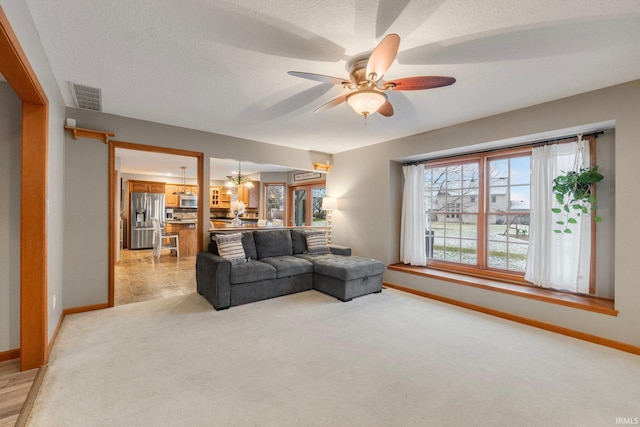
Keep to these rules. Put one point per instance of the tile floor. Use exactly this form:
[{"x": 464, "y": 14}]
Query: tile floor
[{"x": 139, "y": 276}]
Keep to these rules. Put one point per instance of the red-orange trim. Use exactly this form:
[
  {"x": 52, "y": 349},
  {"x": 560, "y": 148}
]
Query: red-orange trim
[
  {"x": 72, "y": 310},
  {"x": 9, "y": 354},
  {"x": 589, "y": 303},
  {"x": 84, "y": 309},
  {"x": 113, "y": 185},
  {"x": 524, "y": 320},
  {"x": 16, "y": 69}
]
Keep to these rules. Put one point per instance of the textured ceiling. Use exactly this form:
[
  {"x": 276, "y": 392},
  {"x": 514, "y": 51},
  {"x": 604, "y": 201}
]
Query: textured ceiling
[
  {"x": 221, "y": 66},
  {"x": 169, "y": 165}
]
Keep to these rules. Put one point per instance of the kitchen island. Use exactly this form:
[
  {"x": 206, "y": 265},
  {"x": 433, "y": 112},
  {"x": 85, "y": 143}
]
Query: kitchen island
[{"x": 187, "y": 235}]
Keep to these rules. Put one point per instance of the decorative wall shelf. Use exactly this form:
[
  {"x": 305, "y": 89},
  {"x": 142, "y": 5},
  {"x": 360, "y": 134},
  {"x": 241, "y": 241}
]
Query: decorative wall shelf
[
  {"x": 322, "y": 167},
  {"x": 88, "y": 133}
]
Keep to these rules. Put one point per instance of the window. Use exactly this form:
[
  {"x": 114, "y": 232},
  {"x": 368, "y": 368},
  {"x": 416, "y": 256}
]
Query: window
[
  {"x": 478, "y": 211},
  {"x": 305, "y": 203},
  {"x": 274, "y": 201},
  {"x": 478, "y": 218}
]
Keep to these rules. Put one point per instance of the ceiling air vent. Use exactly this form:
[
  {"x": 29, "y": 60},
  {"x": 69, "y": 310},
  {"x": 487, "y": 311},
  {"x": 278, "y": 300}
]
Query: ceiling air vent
[{"x": 86, "y": 97}]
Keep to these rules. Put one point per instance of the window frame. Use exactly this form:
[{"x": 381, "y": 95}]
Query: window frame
[
  {"x": 480, "y": 269},
  {"x": 308, "y": 187},
  {"x": 497, "y": 274},
  {"x": 265, "y": 198}
]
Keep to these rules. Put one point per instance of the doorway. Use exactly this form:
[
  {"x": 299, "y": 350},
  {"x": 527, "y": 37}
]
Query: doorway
[
  {"x": 151, "y": 278},
  {"x": 17, "y": 71},
  {"x": 305, "y": 205}
]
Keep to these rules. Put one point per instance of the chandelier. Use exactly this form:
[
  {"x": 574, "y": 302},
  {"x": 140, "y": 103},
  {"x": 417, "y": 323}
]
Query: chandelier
[{"x": 238, "y": 180}]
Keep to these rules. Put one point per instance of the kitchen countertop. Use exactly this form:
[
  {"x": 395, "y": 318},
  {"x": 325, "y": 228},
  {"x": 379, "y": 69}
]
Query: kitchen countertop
[
  {"x": 266, "y": 227},
  {"x": 181, "y": 221},
  {"x": 252, "y": 227}
]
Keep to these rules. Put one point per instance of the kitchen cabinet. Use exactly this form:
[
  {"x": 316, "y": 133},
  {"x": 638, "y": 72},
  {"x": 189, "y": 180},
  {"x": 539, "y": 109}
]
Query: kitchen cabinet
[
  {"x": 218, "y": 198},
  {"x": 171, "y": 200},
  {"x": 156, "y": 187},
  {"x": 146, "y": 187},
  {"x": 187, "y": 236},
  {"x": 192, "y": 188},
  {"x": 138, "y": 187},
  {"x": 250, "y": 196},
  {"x": 214, "y": 197},
  {"x": 225, "y": 199}
]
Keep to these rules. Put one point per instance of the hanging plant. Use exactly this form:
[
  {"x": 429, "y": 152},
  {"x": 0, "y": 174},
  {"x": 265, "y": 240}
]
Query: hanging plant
[{"x": 573, "y": 192}]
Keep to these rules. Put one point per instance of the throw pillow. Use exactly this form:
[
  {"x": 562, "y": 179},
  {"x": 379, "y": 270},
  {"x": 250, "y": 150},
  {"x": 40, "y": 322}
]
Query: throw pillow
[
  {"x": 230, "y": 247},
  {"x": 317, "y": 242}
]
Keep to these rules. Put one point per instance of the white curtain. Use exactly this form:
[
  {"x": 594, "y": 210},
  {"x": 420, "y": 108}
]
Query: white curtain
[
  {"x": 413, "y": 226},
  {"x": 557, "y": 260}
]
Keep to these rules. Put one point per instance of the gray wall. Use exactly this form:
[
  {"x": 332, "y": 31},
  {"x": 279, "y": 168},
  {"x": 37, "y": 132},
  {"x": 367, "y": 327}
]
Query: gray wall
[
  {"x": 369, "y": 193},
  {"x": 10, "y": 116},
  {"x": 22, "y": 24},
  {"x": 86, "y": 186}
]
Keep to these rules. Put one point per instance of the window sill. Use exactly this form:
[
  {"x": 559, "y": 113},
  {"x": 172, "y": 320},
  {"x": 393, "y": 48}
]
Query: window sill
[{"x": 582, "y": 302}]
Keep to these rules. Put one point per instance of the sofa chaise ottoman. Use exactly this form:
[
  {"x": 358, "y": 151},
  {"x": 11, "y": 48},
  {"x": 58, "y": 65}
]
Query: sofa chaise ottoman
[
  {"x": 272, "y": 263},
  {"x": 347, "y": 277}
]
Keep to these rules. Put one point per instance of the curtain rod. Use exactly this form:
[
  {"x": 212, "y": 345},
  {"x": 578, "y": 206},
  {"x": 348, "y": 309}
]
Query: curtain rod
[{"x": 535, "y": 143}]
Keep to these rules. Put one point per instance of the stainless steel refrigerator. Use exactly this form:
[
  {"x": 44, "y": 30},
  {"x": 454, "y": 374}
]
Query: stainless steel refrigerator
[{"x": 144, "y": 207}]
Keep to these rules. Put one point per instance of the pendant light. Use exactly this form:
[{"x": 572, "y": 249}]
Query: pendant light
[{"x": 184, "y": 191}]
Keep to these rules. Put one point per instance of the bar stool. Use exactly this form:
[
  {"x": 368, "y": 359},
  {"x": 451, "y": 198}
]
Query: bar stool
[{"x": 159, "y": 237}]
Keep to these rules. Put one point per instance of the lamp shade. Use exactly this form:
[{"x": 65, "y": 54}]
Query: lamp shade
[
  {"x": 366, "y": 101},
  {"x": 329, "y": 204}
]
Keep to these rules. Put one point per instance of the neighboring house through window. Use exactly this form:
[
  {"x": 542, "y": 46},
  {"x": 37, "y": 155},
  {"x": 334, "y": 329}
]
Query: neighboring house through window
[
  {"x": 478, "y": 215},
  {"x": 468, "y": 230}
]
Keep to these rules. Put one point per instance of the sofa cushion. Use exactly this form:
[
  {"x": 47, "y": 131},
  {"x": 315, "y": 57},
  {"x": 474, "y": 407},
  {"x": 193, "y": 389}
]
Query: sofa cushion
[
  {"x": 298, "y": 242},
  {"x": 347, "y": 267},
  {"x": 287, "y": 266},
  {"x": 251, "y": 271},
  {"x": 247, "y": 243},
  {"x": 270, "y": 243},
  {"x": 230, "y": 247},
  {"x": 317, "y": 242}
]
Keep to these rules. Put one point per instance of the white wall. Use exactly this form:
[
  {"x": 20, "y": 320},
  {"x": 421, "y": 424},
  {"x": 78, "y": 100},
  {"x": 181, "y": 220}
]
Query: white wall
[
  {"x": 369, "y": 193},
  {"x": 10, "y": 128}
]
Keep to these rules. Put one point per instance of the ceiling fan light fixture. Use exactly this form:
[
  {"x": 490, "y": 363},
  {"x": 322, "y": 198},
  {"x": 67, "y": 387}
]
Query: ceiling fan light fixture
[{"x": 366, "y": 101}]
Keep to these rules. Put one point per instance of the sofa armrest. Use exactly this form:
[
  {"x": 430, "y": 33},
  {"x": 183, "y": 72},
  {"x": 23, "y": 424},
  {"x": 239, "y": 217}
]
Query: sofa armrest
[
  {"x": 340, "y": 250},
  {"x": 212, "y": 279}
]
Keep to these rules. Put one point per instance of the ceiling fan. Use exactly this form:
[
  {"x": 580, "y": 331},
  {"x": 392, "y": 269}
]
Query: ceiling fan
[{"x": 366, "y": 89}]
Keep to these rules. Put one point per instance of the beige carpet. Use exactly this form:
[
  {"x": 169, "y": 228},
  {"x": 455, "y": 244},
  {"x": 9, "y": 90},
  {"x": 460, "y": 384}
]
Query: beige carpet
[{"x": 389, "y": 359}]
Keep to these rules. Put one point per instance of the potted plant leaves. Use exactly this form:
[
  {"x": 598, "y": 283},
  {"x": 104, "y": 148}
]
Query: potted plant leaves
[{"x": 572, "y": 191}]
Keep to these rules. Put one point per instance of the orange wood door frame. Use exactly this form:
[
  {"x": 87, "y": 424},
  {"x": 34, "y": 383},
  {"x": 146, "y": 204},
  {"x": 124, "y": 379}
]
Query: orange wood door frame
[
  {"x": 16, "y": 69},
  {"x": 113, "y": 194}
]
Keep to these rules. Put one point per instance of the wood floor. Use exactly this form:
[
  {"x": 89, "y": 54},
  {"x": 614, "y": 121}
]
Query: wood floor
[
  {"x": 14, "y": 389},
  {"x": 139, "y": 276}
]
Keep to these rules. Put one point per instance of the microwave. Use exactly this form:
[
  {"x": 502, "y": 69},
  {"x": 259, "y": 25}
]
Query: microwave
[{"x": 188, "y": 201}]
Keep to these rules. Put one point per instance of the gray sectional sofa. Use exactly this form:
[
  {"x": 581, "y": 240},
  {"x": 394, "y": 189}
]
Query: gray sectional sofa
[{"x": 278, "y": 262}]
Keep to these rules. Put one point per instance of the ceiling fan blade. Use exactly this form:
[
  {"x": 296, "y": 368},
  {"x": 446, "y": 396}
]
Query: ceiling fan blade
[
  {"x": 420, "y": 83},
  {"x": 332, "y": 103},
  {"x": 382, "y": 57},
  {"x": 386, "y": 109},
  {"x": 320, "y": 78}
]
